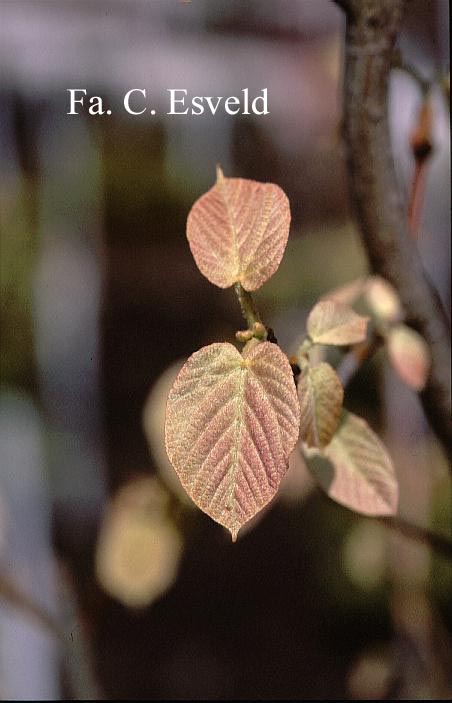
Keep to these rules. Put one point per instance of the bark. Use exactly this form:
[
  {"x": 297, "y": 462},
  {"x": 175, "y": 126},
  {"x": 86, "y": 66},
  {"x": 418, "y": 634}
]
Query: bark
[{"x": 371, "y": 31}]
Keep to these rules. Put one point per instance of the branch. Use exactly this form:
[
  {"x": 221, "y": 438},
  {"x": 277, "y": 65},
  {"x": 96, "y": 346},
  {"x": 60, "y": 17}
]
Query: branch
[{"x": 372, "y": 28}]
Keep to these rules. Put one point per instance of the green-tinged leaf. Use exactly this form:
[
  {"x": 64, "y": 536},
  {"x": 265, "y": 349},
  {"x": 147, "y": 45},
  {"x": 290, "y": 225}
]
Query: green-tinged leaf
[
  {"x": 231, "y": 422},
  {"x": 409, "y": 355},
  {"x": 238, "y": 231},
  {"x": 330, "y": 322},
  {"x": 138, "y": 548},
  {"x": 356, "y": 470},
  {"x": 321, "y": 394}
]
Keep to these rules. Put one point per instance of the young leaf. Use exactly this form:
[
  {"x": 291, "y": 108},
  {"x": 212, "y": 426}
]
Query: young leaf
[
  {"x": 348, "y": 293},
  {"x": 383, "y": 299},
  {"x": 321, "y": 394},
  {"x": 409, "y": 355},
  {"x": 238, "y": 231},
  {"x": 231, "y": 422},
  {"x": 330, "y": 322},
  {"x": 355, "y": 469}
]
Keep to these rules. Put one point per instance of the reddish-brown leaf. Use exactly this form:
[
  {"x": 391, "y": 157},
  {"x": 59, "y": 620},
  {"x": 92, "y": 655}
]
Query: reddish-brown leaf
[
  {"x": 321, "y": 394},
  {"x": 238, "y": 231},
  {"x": 231, "y": 422}
]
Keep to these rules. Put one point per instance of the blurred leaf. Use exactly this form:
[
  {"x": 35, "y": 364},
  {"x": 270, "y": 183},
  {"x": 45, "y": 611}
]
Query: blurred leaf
[
  {"x": 138, "y": 548},
  {"x": 238, "y": 231},
  {"x": 348, "y": 293},
  {"x": 356, "y": 470},
  {"x": 383, "y": 299},
  {"x": 330, "y": 322},
  {"x": 231, "y": 423},
  {"x": 321, "y": 394},
  {"x": 154, "y": 428},
  {"x": 365, "y": 554},
  {"x": 409, "y": 355}
]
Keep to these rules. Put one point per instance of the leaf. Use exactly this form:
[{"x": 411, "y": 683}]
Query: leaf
[
  {"x": 231, "y": 422},
  {"x": 154, "y": 429},
  {"x": 321, "y": 394},
  {"x": 138, "y": 548},
  {"x": 348, "y": 293},
  {"x": 330, "y": 322},
  {"x": 383, "y": 299},
  {"x": 238, "y": 231},
  {"x": 355, "y": 469},
  {"x": 409, "y": 355}
]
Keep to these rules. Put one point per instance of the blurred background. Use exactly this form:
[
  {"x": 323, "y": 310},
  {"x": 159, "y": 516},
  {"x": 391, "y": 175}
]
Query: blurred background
[{"x": 111, "y": 583}]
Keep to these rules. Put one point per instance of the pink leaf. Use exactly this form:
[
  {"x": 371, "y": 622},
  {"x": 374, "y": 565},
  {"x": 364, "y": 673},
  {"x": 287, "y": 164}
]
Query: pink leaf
[
  {"x": 409, "y": 355},
  {"x": 330, "y": 322},
  {"x": 238, "y": 231},
  {"x": 231, "y": 422},
  {"x": 356, "y": 470}
]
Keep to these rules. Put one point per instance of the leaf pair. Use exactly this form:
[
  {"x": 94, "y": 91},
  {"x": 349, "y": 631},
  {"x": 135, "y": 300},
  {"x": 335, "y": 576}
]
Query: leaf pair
[
  {"x": 232, "y": 419},
  {"x": 342, "y": 452},
  {"x": 407, "y": 351}
]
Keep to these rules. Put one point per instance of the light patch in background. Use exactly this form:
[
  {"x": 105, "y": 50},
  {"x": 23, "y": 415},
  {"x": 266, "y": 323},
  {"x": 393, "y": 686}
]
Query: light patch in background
[
  {"x": 154, "y": 427},
  {"x": 365, "y": 555},
  {"x": 139, "y": 548},
  {"x": 29, "y": 655}
]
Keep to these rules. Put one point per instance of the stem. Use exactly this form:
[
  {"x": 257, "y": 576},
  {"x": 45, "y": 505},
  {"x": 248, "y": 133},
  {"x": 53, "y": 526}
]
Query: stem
[
  {"x": 437, "y": 543},
  {"x": 410, "y": 70},
  {"x": 372, "y": 28},
  {"x": 15, "y": 597},
  {"x": 247, "y": 305},
  {"x": 352, "y": 361}
]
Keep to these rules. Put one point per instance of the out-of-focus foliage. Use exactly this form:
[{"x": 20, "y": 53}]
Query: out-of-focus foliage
[
  {"x": 330, "y": 322},
  {"x": 154, "y": 426},
  {"x": 138, "y": 547},
  {"x": 409, "y": 355}
]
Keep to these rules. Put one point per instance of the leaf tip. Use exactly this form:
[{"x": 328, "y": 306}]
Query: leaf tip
[
  {"x": 220, "y": 175},
  {"x": 234, "y": 532}
]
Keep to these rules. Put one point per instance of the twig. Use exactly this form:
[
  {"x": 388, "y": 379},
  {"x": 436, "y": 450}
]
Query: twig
[
  {"x": 437, "y": 543},
  {"x": 352, "y": 361},
  {"x": 421, "y": 146},
  {"x": 372, "y": 28},
  {"x": 12, "y": 594},
  {"x": 247, "y": 306}
]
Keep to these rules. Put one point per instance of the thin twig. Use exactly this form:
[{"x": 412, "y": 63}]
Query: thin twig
[
  {"x": 372, "y": 28},
  {"x": 247, "y": 306},
  {"x": 15, "y": 597},
  {"x": 353, "y": 360},
  {"x": 437, "y": 543}
]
